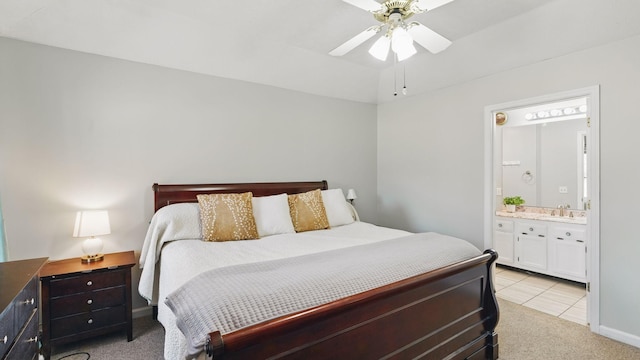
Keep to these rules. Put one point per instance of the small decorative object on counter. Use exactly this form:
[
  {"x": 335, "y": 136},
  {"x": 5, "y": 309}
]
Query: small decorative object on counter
[{"x": 510, "y": 202}]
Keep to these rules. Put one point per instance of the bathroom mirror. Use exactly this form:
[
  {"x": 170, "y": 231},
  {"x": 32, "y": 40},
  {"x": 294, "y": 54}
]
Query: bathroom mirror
[{"x": 543, "y": 155}]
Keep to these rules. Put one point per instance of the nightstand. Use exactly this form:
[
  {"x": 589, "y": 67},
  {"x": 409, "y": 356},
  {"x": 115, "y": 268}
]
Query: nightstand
[{"x": 80, "y": 301}]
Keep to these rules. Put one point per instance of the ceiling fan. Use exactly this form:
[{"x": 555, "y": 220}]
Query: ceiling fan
[{"x": 397, "y": 34}]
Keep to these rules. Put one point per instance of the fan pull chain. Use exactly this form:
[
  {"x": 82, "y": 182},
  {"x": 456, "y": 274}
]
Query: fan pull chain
[
  {"x": 395, "y": 75},
  {"x": 404, "y": 80}
]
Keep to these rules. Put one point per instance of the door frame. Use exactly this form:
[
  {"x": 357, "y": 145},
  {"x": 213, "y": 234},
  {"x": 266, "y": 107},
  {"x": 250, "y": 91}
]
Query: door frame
[{"x": 592, "y": 94}]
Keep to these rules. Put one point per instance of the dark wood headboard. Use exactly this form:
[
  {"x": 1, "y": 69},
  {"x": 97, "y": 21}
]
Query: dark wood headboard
[{"x": 171, "y": 194}]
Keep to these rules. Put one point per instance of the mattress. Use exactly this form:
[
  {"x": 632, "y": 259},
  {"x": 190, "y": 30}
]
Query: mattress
[{"x": 183, "y": 259}]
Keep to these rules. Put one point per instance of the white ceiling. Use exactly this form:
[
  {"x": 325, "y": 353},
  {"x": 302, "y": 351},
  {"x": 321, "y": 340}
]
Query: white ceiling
[{"x": 285, "y": 43}]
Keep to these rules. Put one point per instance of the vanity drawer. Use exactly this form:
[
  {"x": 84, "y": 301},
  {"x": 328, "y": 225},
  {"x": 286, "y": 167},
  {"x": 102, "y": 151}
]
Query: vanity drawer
[
  {"x": 566, "y": 233},
  {"x": 86, "y": 282},
  {"x": 531, "y": 229},
  {"x": 93, "y": 320},
  {"x": 504, "y": 225},
  {"x": 86, "y": 302}
]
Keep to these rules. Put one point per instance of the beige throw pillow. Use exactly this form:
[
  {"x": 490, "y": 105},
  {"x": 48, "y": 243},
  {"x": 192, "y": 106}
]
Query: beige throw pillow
[
  {"x": 307, "y": 211},
  {"x": 227, "y": 217}
]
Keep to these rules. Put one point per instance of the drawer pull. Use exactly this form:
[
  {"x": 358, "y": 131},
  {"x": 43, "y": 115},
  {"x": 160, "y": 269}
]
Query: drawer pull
[
  {"x": 580, "y": 241},
  {"x": 89, "y": 283},
  {"x": 568, "y": 233},
  {"x": 29, "y": 301},
  {"x": 90, "y": 321},
  {"x": 89, "y": 301},
  {"x": 530, "y": 229},
  {"x": 4, "y": 339},
  {"x": 33, "y": 339},
  {"x": 560, "y": 238},
  {"x": 500, "y": 225}
]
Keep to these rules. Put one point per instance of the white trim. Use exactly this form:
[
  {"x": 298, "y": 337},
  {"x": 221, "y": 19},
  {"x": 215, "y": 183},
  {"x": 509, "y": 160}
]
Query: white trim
[
  {"x": 141, "y": 312},
  {"x": 592, "y": 94},
  {"x": 621, "y": 336}
]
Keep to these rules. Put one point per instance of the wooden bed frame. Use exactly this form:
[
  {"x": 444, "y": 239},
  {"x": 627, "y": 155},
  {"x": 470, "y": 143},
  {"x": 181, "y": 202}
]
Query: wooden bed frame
[{"x": 447, "y": 313}]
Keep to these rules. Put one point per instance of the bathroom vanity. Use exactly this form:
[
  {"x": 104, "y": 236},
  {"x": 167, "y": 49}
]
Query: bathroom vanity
[{"x": 543, "y": 243}]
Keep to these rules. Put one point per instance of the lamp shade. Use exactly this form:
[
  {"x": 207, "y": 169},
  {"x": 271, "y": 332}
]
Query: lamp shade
[
  {"x": 92, "y": 223},
  {"x": 351, "y": 194},
  {"x": 402, "y": 43},
  {"x": 380, "y": 48}
]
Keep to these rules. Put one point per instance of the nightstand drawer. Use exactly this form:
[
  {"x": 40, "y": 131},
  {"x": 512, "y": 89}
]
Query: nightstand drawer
[
  {"x": 86, "y": 282},
  {"x": 86, "y": 302},
  {"x": 72, "y": 325}
]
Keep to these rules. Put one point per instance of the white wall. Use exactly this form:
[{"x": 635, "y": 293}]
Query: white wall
[
  {"x": 80, "y": 131},
  {"x": 430, "y": 160}
]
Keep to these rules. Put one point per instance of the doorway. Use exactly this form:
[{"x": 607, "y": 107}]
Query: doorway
[{"x": 586, "y": 195}]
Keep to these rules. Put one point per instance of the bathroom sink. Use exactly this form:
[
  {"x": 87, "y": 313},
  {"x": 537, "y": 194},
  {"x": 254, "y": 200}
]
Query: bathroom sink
[{"x": 564, "y": 219}]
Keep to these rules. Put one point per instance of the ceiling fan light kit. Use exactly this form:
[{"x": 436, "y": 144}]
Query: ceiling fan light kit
[{"x": 397, "y": 35}]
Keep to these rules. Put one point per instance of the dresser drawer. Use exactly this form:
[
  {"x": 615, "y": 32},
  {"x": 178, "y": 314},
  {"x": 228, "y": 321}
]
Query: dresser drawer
[
  {"x": 86, "y": 282},
  {"x": 75, "y": 324},
  {"x": 26, "y": 346},
  {"x": 8, "y": 329},
  {"x": 86, "y": 302},
  {"x": 15, "y": 316},
  {"x": 26, "y": 302}
]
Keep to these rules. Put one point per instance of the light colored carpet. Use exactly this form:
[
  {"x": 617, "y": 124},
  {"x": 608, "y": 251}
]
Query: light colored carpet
[
  {"x": 523, "y": 334},
  {"x": 147, "y": 344},
  {"x": 527, "y": 334}
]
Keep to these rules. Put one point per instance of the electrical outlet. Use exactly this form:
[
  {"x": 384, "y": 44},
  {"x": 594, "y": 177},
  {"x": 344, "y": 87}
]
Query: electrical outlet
[
  {"x": 499, "y": 191},
  {"x": 563, "y": 190}
]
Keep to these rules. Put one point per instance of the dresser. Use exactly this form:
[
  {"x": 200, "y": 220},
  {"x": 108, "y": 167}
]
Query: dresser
[
  {"x": 81, "y": 300},
  {"x": 19, "y": 303}
]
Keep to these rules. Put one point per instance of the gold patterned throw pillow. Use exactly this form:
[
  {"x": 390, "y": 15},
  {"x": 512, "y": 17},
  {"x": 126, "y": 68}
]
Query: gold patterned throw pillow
[
  {"x": 307, "y": 211},
  {"x": 227, "y": 217}
]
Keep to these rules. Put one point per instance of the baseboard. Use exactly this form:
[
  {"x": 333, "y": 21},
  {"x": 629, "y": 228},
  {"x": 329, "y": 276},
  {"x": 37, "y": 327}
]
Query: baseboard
[
  {"x": 621, "y": 336},
  {"x": 141, "y": 312}
]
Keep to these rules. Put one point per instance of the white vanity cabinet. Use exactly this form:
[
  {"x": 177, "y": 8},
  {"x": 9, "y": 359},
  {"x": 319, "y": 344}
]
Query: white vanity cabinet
[
  {"x": 568, "y": 252},
  {"x": 503, "y": 241},
  {"x": 551, "y": 248},
  {"x": 531, "y": 245}
]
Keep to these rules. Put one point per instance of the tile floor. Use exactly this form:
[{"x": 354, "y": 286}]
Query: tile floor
[{"x": 557, "y": 297}]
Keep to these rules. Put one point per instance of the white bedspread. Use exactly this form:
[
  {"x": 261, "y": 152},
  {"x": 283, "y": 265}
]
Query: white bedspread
[
  {"x": 234, "y": 297},
  {"x": 173, "y": 253}
]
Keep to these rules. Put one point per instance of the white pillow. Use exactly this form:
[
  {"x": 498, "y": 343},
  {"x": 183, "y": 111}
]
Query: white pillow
[
  {"x": 272, "y": 215},
  {"x": 337, "y": 208}
]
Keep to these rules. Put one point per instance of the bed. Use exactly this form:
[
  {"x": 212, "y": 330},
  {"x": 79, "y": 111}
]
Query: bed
[{"x": 447, "y": 312}]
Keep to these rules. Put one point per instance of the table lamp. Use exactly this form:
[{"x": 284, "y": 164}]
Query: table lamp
[
  {"x": 92, "y": 223},
  {"x": 351, "y": 195}
]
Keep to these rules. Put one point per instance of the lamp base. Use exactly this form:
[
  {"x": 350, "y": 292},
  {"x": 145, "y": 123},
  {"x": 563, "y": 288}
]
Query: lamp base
[{"x": 85, "y": 259}]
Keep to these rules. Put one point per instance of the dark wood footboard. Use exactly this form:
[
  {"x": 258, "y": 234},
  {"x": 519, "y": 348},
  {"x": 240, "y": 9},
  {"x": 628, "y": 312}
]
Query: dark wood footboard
[{"x": 448, "y": 313}]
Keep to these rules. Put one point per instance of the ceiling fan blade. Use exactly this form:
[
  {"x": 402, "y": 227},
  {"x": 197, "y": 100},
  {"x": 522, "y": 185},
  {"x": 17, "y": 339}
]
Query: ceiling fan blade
[
  {"x": 428, "y": 38},
  {"x": 431, "y": 4},
  {"x": 369, "y": 5},
  {"x": 355, "y": 41}
]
